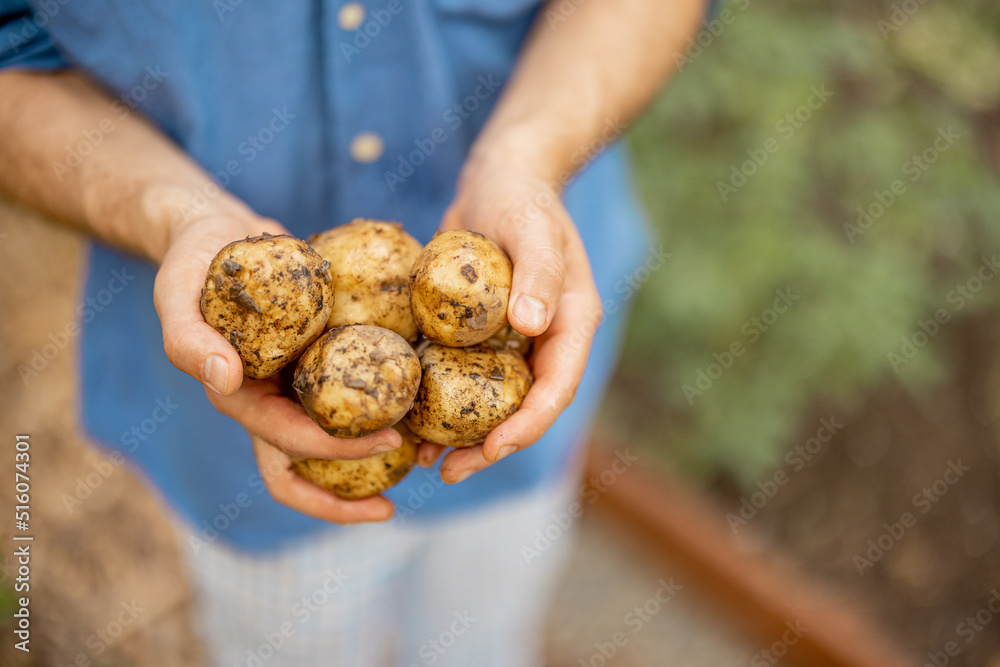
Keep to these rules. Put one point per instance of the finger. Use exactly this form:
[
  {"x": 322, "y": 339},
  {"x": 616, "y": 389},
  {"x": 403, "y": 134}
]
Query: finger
[
  {"x": 190, "y": 343},
  {"x": 460, "y": 463},
  {"x": 265, "y": 412},
  {"x": 558, "y": 362},
  {"x": 290, "y": 490},
  {"x": 556, "y": 378},
  {"x": 558, "y": 365},
  {"x": 536, "y": 248},
  {"x": 428, "y": 453},
  {"x": 451, "y": 219}
]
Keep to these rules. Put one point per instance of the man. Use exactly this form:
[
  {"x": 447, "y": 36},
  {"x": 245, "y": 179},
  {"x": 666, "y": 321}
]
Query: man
[{"x": 167, "y": 130}]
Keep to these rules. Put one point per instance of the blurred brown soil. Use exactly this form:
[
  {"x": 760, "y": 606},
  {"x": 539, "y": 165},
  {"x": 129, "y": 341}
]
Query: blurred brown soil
[
  {"x": 115, "y": 548},
  {"x": 944, "y": 568}
]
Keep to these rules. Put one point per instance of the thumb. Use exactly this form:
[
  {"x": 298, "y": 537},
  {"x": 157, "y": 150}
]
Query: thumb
[
  {"x": 536, "y": 249},
  {"x": 191, "y": 344}
]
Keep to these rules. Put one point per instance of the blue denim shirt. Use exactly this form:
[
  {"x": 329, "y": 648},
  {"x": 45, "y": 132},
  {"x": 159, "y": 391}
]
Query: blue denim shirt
[{"x": 314, "y": 112}]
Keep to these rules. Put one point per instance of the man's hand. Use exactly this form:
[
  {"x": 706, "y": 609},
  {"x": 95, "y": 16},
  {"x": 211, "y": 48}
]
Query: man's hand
[
  {"x": 131, "y": 193},
  {"x": 551, "y": 117},
  {"x": 552, "y": 297},
  {"x": 279, "y": 428}
]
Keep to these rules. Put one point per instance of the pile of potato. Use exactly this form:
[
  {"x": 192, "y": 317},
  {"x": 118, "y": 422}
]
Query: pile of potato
[{"x": 386, "y": 333}]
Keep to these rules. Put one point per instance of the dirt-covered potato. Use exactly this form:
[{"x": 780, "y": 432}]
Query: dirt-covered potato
[
  {"x": 466, "y": 392},
  {"x": 270, "y": 296},
  {"x": 509, "y": 339},
  {"x": 459, "y": 288},
  {"x": 358, "y": 379},
  {"x": 370, "y": 261},
  {"x": 362, "y": 478}
]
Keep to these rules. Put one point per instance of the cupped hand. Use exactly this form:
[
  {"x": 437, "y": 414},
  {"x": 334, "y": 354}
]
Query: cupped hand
[
  {"x": 553, "y": 297},
  {"x": 279, "y": 428}
]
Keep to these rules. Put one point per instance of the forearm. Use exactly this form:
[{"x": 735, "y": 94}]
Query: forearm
[
  {"x": 134, "y": 189},
  {"x": 580, "y": 78}
]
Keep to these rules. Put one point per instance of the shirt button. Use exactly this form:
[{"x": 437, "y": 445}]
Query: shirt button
[
  {"x": 351, "y": 15},
  {"x": 367, "y": 147}
]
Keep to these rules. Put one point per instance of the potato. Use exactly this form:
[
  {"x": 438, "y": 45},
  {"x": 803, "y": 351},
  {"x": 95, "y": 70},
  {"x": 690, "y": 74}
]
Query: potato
[
  {"x": 466, "y": 392},
  {"x": 509, "y": 339},
  {"x": 370, "y": 262},
  {"x": 362, "y": 478},
  {"x": 357, "y": 379},
  {"x": 270, "y": 296},
  {"x": 459, "y": 288}
]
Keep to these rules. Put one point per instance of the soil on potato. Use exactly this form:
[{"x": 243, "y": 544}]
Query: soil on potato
[
  {"x": 110, "y": 553},
  {"x": 116, "y": 546}
]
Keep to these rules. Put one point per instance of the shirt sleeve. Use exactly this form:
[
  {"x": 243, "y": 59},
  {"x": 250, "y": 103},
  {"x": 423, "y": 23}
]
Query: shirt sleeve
[{"x": 24, "y": 42}]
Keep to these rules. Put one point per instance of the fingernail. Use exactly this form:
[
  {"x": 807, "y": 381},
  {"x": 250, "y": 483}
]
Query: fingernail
[
  {"x": 504, "y": 451},
  {"x": 530, "y": 311},
  {"x": 215, "y": 373},
  {"x": 381, "y": 449},
  {"x": 462, "y": 476}
]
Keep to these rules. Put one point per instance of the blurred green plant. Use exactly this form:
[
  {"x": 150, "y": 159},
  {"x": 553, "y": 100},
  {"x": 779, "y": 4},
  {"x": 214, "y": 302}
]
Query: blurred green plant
[
  {"x": 8, "y": 602},
  {"x": 894, "y": 84}
]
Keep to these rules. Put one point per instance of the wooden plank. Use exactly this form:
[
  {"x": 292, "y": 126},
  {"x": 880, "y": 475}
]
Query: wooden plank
[{"x": 751, "y": 584}]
